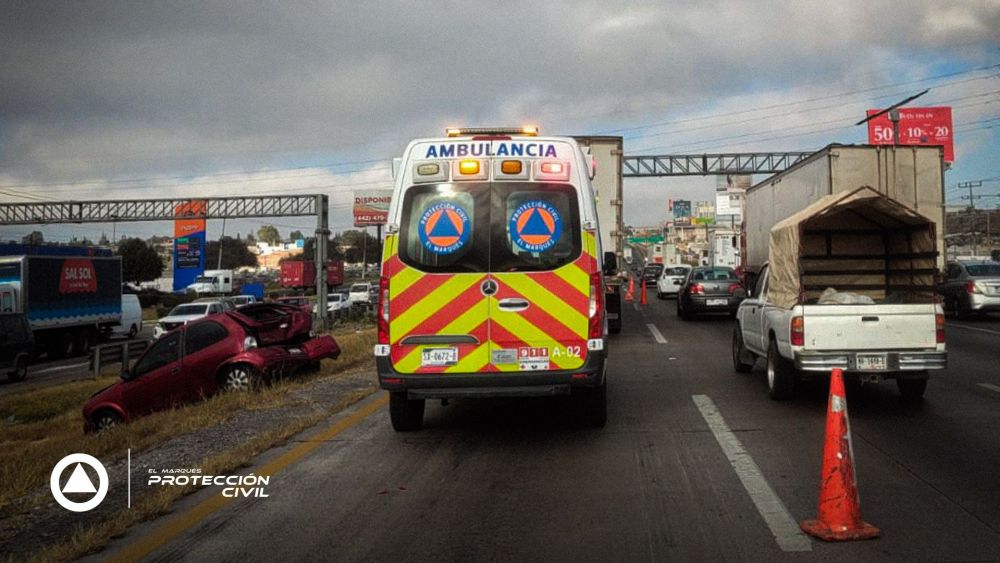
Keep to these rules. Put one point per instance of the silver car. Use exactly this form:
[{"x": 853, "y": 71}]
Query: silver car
[{"x": 971, "y": 287}]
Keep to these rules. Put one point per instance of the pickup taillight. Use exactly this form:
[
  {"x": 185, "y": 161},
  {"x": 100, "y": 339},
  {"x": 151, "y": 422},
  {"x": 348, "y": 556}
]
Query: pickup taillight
[
  {"x": 939, "y": 329},
  {"x": 383, "y": 310},
  {"x": 797, "y": 332},
  {"x": 971, "y": 287}
]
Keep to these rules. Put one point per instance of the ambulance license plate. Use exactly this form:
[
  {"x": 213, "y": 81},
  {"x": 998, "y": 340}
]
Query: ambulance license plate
[
  {"x": 439, "y": 357},
  {"x": 716, "y": 302},
  {"x": 872, "y": 362}
]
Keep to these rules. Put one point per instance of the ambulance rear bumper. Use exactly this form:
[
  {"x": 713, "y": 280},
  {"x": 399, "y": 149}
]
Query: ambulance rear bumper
[{"x": 505, "y": 384}]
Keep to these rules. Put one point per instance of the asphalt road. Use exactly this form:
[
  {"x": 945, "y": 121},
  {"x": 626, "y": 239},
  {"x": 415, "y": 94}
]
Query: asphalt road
[{"x": 517, "y": 480}]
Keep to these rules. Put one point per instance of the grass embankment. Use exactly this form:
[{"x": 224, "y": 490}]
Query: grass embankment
[{"x": 47, "y": 423}]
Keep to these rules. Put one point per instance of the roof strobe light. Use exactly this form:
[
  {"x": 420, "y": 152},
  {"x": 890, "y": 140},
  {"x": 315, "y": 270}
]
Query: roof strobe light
[{"x": 528, "y": 130}]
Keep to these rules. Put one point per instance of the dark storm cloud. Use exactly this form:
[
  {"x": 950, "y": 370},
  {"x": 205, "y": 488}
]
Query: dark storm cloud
[{"x": 99, "y": 89}]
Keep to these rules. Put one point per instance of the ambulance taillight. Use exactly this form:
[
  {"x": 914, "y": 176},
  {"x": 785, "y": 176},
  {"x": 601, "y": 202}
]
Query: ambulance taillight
[
  {"x": 596, "y": 308},
  {"x": 383, "y": 310}
]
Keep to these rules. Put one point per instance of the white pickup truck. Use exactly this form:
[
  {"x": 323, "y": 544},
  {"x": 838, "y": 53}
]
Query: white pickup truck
[
  {"x": 849, "y": 284},
  {"x": 872, "y": 342}
]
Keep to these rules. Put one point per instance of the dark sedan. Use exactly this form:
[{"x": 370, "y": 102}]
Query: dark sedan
[
  {"x": 651, "y": 273},
  {"x": 709, "y": 290}
]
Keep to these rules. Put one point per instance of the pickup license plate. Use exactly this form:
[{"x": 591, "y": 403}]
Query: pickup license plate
[
  {"x": 716, "y": 302},
  {"x": 439, "y": 357},
  {"x": 872, "y": 362}
]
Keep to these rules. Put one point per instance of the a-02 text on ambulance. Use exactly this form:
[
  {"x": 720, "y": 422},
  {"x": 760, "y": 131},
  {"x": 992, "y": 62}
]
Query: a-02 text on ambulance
[{"x": 492, "y": 280}]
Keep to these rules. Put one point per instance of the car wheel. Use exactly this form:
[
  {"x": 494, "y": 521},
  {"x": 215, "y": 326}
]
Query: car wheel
[
  {"x": 592, "y": 405},
  {"x": 912, "y": 389},
  {"x": 105, "y": 420},
  {"x": 240, "y": 378},
  {"x": 20, "y": 370},
  {"x": 134, "y": 330},
  {"x": 743, "y": 359},
  {"x": 407, "y": 415},
  {"x": 780, "y": 374},
  {"x": 685, "y": 314}
]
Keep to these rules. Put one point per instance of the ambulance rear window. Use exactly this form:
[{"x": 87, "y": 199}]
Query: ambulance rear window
[
  {"x": 445, "y": 228},
  {"x": 536, "y": 227}
]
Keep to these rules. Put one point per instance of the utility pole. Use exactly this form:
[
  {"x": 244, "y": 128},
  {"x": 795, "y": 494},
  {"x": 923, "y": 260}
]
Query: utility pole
[
  {"x": 222, "y": 236},
  {"x": 972, "y": 210}
]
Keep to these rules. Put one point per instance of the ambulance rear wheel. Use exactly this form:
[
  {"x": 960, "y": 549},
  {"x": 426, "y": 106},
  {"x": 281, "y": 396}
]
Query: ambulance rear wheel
[
  {"x": 592, "y": 404},
  {"x": 615, "y": 325},
  {"x": 407, "y": 415}
]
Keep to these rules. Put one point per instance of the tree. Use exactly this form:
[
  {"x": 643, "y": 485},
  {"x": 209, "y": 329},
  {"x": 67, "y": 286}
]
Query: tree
[
  {"x": 269, "y": 234},
  {"x": 34, "y": 238},
  {"x": 234, "y": 254},
  {"x": 355, "y": 247},
  {"x": 295, "y": 235},
  {"x": 140, "y": 262},
  {"x": 309, "y": 250}
]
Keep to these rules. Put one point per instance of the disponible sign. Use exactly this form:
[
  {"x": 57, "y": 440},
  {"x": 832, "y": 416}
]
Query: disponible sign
[
  {"x": 917, "y": 126},
  {"x": 371, "y": 207}
]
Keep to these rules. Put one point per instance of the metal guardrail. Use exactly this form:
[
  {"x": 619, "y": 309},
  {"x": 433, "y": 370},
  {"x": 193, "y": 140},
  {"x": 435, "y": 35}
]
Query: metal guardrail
[{"x": 115, "y": 353}]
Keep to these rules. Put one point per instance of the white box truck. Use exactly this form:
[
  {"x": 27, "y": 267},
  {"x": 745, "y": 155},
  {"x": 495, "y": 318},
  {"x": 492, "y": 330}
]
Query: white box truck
[
  {"x": 213, "y": 282},
  {"x": 607, "y": 182}
]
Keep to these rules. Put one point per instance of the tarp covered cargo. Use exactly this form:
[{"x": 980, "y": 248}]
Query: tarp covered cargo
[{"x": 859, "y": 241}]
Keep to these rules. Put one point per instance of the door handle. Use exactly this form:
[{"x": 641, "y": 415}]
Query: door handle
[{"x": 513, "y": 304}]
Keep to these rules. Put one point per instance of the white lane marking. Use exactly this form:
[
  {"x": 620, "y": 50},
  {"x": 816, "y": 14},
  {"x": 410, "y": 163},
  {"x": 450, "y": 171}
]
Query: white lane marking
[
  {"x": 977, "y": 329},
  {"x": 990, "y": 386},
  {"x": 656, "y": 333},
  {"x": 59, "y": 368},
  {"x": 785, "y": 529}
]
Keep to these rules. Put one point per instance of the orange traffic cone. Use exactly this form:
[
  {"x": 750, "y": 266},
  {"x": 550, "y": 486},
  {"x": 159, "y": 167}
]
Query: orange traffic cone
[
  {"x": 839, "y": 514},
  {"x": 642, "y": 293},
  {"x": 630, "y": 292}
]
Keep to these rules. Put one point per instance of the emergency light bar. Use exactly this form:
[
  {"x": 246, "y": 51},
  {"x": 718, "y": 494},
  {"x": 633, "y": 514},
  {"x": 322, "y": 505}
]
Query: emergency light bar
[{"x": 528, "y": 130}]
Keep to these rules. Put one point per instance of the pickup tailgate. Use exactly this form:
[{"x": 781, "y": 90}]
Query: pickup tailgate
[{"x": 869, "y": 327}]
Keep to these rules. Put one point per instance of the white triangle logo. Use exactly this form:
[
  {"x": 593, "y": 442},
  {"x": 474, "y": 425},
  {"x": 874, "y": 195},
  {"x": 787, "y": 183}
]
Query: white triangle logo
[{"x": 79, "y": 482}]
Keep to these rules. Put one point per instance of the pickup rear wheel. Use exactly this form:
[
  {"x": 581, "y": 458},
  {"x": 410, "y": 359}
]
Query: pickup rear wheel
[
  {"x": 743, "y": 359},
  {"x": 407, "y": 415},
  {"x": 780, "y": 374},
  {"x": 912, "y": 389}
]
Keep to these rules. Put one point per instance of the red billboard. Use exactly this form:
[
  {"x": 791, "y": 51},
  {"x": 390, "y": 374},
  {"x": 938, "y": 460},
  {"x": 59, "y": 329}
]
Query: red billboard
[
  {"x": 917, "y": 126},
  {"x": 371, "y": 207}
]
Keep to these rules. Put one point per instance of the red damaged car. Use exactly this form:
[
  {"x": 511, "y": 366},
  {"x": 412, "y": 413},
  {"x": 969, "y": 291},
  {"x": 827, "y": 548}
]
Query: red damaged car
[{"x": 235, "y": 350}]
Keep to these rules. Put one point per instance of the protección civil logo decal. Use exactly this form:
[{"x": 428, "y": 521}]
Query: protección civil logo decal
[
  {"x": 444, "y": 228},
  {"x": 535, "y": 226},
  {"x": 79, "y": 483}
]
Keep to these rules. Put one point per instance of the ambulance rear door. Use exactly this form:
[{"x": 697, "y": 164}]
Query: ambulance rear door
[{"x": 542, "y": 262}]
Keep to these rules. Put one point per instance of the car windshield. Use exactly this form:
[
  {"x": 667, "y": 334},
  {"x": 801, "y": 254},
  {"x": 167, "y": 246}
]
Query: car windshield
[
  {"x": 204, "y": 279},
  {"x": 983, "y": 270},
  {"x": 358, "y": 288},
  {"x": 677, "y": 272},
  {"x": 334, "y": 297},
  {"x": 653, "y": 269},
  {"x": 189, "y": 309}
]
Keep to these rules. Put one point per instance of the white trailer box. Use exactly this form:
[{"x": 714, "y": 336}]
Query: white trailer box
[{"x": 914, "y": 176}]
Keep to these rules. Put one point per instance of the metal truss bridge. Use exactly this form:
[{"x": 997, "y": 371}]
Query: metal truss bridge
[{"x": 709, "y": 164}]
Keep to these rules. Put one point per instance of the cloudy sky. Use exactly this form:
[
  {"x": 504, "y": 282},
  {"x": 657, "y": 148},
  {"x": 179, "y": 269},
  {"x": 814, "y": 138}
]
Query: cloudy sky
[{"x": 162, "y": 99}]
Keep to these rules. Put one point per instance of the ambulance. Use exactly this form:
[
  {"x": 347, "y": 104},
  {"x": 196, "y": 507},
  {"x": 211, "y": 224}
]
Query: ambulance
[{"x": 492, "y": 274}]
